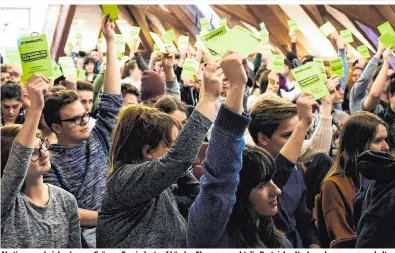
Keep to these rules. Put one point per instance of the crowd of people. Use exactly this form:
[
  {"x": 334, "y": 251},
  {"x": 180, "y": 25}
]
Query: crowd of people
[{"x": 136, "y": 156}]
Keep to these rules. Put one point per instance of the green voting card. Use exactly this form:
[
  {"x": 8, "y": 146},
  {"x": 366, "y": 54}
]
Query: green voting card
[
  {"x": 189, "y": 70},
  {"x": 68, "y": 67},
  {"x": 156, "y": 48},
  {"x": 134, "y": 32},
  {"x": 327, "y": 28},
  {"x": 183, "y": 43},
  {"x": 292, "y": 25},
  {"x": 336, "y": 66},
  {"x": 385, "y": 27},
  {"x": 169, "y": 36},
  {"x": 347, "y": 36},
  {"x": 264, "y": 34},
  {"x": 70, "y": 46},
  {"x": 364, "y": 51},
  {"x": 35, "y": 56},
  {"x": 12, "y": 57},
  {"x": 388, "y": 39},
  {"x": 319, "y": 65},
  {"x": 56, "y": 70},
  {"x": 81, "y": 74},
  {"x": 119, "y": 43},
  {"x": 237, "y": 39},
  {"x": 222, "y": 22},
  {"x": 111, "y": 9},
  {"x": 308, "y": 79},
  {"x": 199, "y": 42},
  {"x": 278, "y": 63},
  {"x": 158, "y": 42},
  {"x": 205, "y": 24},
  {"x": 265, "y": 49}
]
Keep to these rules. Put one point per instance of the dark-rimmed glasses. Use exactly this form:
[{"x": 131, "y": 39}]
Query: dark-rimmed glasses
[
  {"x": 78, "y": 119},
  {"x": 44, "y": 144}
]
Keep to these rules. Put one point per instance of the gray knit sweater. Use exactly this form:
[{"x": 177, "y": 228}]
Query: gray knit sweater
[
  {"x": 26, "y": 225},
  {"x": 139, "y": 209}
]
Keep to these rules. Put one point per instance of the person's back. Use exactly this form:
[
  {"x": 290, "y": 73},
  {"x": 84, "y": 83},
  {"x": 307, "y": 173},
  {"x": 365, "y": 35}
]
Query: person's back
[{"x": 377, "y": 224}]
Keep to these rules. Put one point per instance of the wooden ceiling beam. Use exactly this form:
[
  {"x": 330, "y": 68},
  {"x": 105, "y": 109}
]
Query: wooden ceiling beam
[
  {"x": 240, "y": 12},
  {"x": 314, "y": 13},
  {"x": 184, "y": 19},
  {"x": 365, "y": 14},
  {"x": 62, "y": 30},
  {"x": 387, "y": 12}
]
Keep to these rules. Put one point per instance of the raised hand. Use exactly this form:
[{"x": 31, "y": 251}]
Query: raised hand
[
  {"x": 387, "y": 55},
  {"x": 234, "y": 67},
  {"x": 292, "y": 34},
  {"x": 332, "y": 85},
  {"x": 306, "y": 106},
  {"x": 380, "y": 50},
  {"x": 107, "y": 28},
  {"x": 37, "y": 86},
  {"x": 212, "y": 81},
  {"x": 168, "y": 61}
]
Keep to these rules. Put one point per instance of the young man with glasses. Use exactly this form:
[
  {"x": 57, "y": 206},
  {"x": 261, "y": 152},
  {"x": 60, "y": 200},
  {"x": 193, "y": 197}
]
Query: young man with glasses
[{"x": 80, "y": 157}]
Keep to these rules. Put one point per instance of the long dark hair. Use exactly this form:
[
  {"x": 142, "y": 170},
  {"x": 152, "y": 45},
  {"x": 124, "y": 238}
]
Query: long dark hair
[{"x": 246, "y": 227}]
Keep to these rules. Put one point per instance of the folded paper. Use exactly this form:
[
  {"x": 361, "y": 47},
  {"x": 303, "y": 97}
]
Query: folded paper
[{"x": 327, "y": 28}]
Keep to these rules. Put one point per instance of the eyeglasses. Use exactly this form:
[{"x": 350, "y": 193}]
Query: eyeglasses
[
  {"x": 78, "y": 119},
  {"x": 44, "y": 144}
]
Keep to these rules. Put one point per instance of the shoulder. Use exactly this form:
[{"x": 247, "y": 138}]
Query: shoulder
[{"x": 61, "y": 194}]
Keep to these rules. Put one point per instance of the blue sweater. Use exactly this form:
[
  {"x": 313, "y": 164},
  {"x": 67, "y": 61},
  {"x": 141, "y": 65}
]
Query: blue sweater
[
  {"x": 82, "y": 169},
  {"x": 212, "y": 208}
]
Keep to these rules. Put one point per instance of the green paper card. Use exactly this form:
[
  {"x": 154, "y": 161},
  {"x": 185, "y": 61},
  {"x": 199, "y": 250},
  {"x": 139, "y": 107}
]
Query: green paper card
[
  {"x": 35, "y": 56},
  {"x": 56, "y": 70},
  {"x": 308, "y": 79},
  {"x": 119, "y": 43},
  {"x": 169, "y": 36},
  {"x": 81, "y": 74},
  {"x": 111, "y": 9},
  {"x": 327, "y": 28},
  {"x": 264, "y": 34},
  {"x": 319, "y": 65},
  {"x": 80, "y": 29},
  {"x": 134, "y": 32},
  {"x": 183, "y": 43},
  {"x": 388, "y": 39},
  {"x": 70, "y": 46},
  {"x": 336, "y": 66},
  {"x": 205, "y": 24},
  {"x": 364, "y": 51},
  {"x": 385, "y": 27},
  {"x": 68, "y": 67},
  {"x": 292, "y": 25},
  {"x": 156, "y": 48},
  {"x": 265, "y": 49},
  {"x": 189, "y": 70},
  {"x": 12, "y": 57},
  {"x": 278, "y": 63},
  {"x": 199, "y": 42},
  {"x": 347, "y": 36},
  {"x": 158, "y": 42},
  {"x": 237, "y": 39},
  {"x": 222, "y": 22}
]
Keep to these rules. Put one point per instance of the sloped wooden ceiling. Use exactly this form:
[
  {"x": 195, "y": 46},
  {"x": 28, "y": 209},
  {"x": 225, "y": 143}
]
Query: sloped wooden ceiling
[{"x": 184, "y": 19}]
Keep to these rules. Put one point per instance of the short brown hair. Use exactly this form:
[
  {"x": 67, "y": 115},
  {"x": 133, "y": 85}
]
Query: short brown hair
[
  {"x": 169, "y": 104},
  {"x": 131, "y": 65},
  {"x": 54, "y": 103},
  {"x": 137, "y": 127},
  {"x": 8, "y": 136},
  {"x": 127, "y": 88},
  {"x": 267, "y": 114},
  {"x": 57, "y": 88},
  {"x": 84, "y": 85}
]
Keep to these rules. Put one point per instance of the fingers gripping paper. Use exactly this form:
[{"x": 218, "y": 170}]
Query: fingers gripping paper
[
  {"x": 35, "y": 57},
  {"x": 308, "y": 79}
]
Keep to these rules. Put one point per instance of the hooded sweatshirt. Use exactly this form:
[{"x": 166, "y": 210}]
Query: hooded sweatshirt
[{"x": 376, "y": 227}]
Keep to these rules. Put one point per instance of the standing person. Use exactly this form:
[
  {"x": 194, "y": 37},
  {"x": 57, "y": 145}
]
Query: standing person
[
  {"x": 149, "y": 154},
  {"x": 33, "y": 214},
  {"x": 235, "y": 207},
  {"x": 80, "y": 157},
  {"x": 335, "y": 204}
]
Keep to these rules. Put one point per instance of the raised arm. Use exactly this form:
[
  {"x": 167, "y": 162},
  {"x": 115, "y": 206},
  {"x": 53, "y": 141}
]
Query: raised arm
[
  {"x": 22, "y": 149},
  {"x": 379, "y": 85},
  {"x": 172, "y": 85},
  {"x": 212, "y": 208}
]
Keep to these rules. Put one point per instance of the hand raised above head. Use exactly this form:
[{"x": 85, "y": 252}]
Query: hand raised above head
[
  {"x": 235, "y": 67},
  {"x": 306, "y": 106},
  {"x": 37, "y": 86},
  {"x": 212, "y": 80},
  {"x": 107, "y": 28}
]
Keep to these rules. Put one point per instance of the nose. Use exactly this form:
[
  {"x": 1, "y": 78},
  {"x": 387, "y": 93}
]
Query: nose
[
  {"x": 385, "y": 148},
  {"x": 276, "y": 191}
]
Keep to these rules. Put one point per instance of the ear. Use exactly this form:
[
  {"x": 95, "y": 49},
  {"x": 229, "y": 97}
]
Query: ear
[
  {"x": 147, "y": 153},
  {"x": 263, "y": 140},
  {"x": 56, "y": 128}
]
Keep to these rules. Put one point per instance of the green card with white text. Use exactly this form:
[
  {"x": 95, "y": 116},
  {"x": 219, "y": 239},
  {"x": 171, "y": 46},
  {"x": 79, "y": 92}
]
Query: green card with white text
[
  {"x": 336, "y": 66},
  {"x": 347, "y": 36},
  {"x": 308, "y": 79}
]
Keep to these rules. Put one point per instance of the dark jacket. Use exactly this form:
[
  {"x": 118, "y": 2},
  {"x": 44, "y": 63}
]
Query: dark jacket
[
  {"x": 376, "y": 227},
  {"x": 389, "y": 117}
]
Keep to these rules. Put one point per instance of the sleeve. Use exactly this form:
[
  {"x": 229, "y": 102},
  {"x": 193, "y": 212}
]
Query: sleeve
[
  {"x": 108, "y": 110},
  {"x": 305, "y": 223},
  {"x": 357, "y": 92},
  {"x": 140, "y": 62},
  {"x": 375, "y": 232},
  {"x": 257, "y": 62},
  {"x": 173, "y": 88},
  {"x": 334, "y": 212},
  {"x": 188, "y": 187},
  {"x": 343, "y": 80},
  {"x": 212, "y": 208},
  {"x": 14, "y": 175},
  {"x": 140, "y": 183},
  {"x": 74, "y": 225},
  {"x": 320, "y": 142},
  {"x": 284, "y": 169}
]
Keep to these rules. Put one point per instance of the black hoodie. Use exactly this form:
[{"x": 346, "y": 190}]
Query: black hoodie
[{"x": 376, "y": 228}]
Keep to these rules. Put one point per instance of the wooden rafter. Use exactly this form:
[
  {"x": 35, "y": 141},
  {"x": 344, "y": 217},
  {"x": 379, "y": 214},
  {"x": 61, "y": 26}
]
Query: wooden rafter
[
  {"x": 62, "y": 30},
  {"x": 365, "y": 14},
  {"x": 183, "y": 18}
]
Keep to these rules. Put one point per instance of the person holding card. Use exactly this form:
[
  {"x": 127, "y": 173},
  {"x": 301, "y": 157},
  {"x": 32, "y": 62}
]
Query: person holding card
[
  {"x": 89, "y": 67},
  {"x": 148, "y": 155},
  {"x": 388, "y": 114},
  {"x": 80, "y": 157},
  {"x": 34, "y": 214}
]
